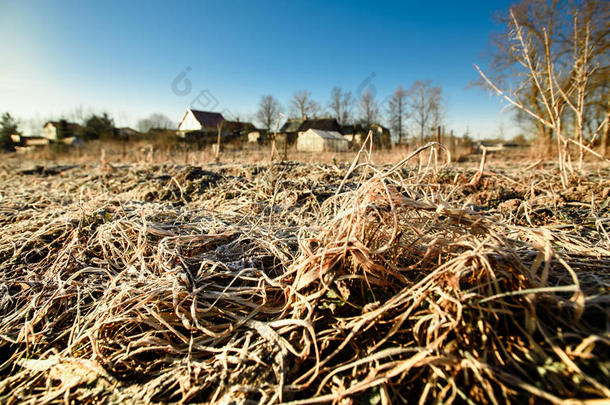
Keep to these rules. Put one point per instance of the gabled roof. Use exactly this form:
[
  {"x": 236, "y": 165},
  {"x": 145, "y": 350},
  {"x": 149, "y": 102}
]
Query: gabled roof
[
  {"x": 325, "y": 124},
  {"x": 292, "y": 125},
  {"x": 207, "y": 119},
  {"x": 333, "y": 135},
  {"x": 70, "y": 126}
]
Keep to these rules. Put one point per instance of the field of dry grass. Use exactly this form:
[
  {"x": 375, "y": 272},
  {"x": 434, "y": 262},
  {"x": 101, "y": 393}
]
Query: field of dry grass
[{"x": 364, "y": 279}]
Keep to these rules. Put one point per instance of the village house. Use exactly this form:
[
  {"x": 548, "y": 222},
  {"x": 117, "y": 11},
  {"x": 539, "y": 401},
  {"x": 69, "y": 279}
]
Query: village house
[
  {"x": 317, "y": 140},
  {"x": 128, "y": 133},
  {"x": 289, "y": 131},
  {"x": 237, "y": 131},
  {"x": 23, "y": 143},
  {"x": 381, "y": 135},
  {"x": 52, "y": 129},
  {"x": 356, "y": 134},
  {"x": 204, "y": 126},
  {"x": 197, "y": 123},
  {"x": 293, "y": 128}
]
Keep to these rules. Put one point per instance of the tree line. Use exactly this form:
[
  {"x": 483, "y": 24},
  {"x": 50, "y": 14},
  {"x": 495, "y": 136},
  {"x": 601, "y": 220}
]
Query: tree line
[{"x": 415, "y": 111}]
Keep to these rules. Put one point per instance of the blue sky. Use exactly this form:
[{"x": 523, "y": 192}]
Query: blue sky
[{"x": 122, "y": 56}]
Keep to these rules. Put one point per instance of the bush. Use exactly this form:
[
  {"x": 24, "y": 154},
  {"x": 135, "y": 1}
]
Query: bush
[{"x": 8, "y": 127}]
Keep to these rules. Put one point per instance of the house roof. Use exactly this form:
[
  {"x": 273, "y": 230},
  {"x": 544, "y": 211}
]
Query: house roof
[
  {"x": 383, "y": 129},
  {"x": 72, "y": 126},
  {"x": 325, "y": 124},
  {"x": 352, "y": 129},
  {"x": 292, "y": 125},
  {"x": 207, "y": 118},
  {"x": 238, "y": 126},
  {"x": 332, "y": 135},
  {"x": 128, "y": 131}
]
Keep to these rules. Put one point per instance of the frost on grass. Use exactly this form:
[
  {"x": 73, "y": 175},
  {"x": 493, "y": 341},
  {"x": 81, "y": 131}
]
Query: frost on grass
[{"x": 302, "y": 282}]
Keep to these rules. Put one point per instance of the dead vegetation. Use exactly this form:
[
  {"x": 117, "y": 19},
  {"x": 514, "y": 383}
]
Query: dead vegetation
[{"x": 303, "y": 283}]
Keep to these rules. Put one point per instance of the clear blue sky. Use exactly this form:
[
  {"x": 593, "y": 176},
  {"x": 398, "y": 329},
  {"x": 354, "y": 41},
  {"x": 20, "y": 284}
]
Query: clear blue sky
[{"x": 122, "y": 56}]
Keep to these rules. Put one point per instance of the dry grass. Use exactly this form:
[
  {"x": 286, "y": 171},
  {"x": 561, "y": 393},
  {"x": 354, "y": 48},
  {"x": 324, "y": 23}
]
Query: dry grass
[
  {"x": 304, "y": 283},
  {"x": 163, "y": 151}
]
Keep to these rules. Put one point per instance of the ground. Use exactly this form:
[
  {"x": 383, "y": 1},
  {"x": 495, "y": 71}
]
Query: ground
[{"x": 305, "y": 282}]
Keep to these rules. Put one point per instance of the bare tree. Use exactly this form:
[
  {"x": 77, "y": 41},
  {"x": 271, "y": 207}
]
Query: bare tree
[
  {"x": 604, "y": 105},
  {"x": 369, "y": 109},
  {"x": 551, "y": 44},
  {"x": 397, "y": 112},
  {"x": 347, "y": 102},
  {"x": 341, "y": 105},
  {"x": 425, "y": 102},
  {"x": 596, "y": 117},
  {"x": 335, "y": 105},
  {"x": 553, "y": 54},
  {"x": 589, "y": 45},
  {"x": 268, "y": 109},
  {"x": 302, "y": 104},
  {"x": 437, "y": 108}
]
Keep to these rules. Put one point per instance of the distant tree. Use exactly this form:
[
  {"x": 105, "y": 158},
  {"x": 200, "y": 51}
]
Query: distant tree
[
  {"x": 341, "y": 105},
  {"x": 425, "y": 103},
  {"x": 155, "y": 121},
  {"x": 335, "y": 105},
  {"x": 397, "y": 112},
  {"x": 61, "y": 130},
  {"x": 437, "y": 108},
  {"x": 519, "y": 139},
  {"x": 369, "y": 109},
  {"x": 8, "y": 127},
  {"x": 268, "y": 111},
  {"x": 98, "y": 126},
  {"x": 347, "y": 102},
  {"x": 302, "y": 105}
]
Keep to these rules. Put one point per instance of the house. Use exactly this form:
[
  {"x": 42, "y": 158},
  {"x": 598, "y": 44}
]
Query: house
[
  {"x": 196, "y": 122},
  {"x": 52, "y": 129},
  {"x": 292, "y": 129},
  {"x": 317, "y": 140},
  {"x": 324, "y": 124},
  {"x": 128, "y": 133},
  {"x": 236, "y": 130},
  {"x": 381, "y": 135},
  {"x": 493, "y": 146},
  {"x": 203, "y": 127},
  {"x": 28, "y": 143},
  {"x": 289, "y": 131},
  {"x": 356, "y": 134}
]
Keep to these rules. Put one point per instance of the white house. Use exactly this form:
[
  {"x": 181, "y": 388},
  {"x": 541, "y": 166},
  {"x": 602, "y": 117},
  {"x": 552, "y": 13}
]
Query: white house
[
  {"x": 316, "y": 140},
  {"x": 200, "y": 121}
]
